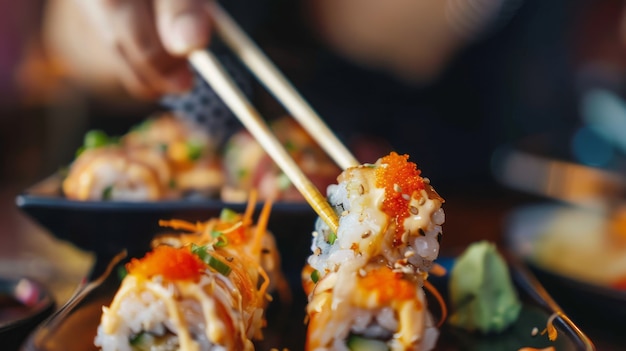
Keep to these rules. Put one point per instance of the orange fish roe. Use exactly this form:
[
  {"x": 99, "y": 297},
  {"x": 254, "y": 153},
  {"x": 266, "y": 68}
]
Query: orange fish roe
[
  {"x": 169, "y": 262},
  {"x": 398, "y": 177},
  {"x": 389, "y": 285},
  {"x": 236, "y": 236}
]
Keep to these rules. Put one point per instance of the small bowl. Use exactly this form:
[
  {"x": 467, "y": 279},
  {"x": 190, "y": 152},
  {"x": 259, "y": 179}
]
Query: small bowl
[
  {"x": 24, "y": 304},
  {"x": 108, "y": 227}
]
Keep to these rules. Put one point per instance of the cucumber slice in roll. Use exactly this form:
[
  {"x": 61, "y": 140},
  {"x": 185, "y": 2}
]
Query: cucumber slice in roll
[{"x": 359, "y": 343}]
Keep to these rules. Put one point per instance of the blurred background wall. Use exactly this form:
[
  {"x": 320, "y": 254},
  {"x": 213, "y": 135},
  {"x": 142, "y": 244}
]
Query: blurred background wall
[
  {"x": 21, "y": 126},
  {"x": 524, "y": 77}
]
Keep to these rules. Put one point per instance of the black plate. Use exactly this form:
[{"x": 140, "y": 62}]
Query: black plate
[
  {"x": 592, "y": 305},
  {"x": 24, "y": 304},
  {"x": 74, "y": 327},
  {"x": 107, "y": 227}
]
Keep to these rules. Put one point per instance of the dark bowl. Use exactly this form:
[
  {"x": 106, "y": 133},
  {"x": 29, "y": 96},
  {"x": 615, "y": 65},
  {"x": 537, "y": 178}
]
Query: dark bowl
[
  {"x": 24, "y": 304},
  {"x": 107, "y": 227},
  {"x": 590, "y": 304}
]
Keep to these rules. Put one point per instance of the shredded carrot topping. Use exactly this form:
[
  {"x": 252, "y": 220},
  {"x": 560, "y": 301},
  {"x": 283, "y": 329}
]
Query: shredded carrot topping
[
  {"x": 550, "y": 328},
  {"x": 261, "y": 227},
  {"x": 389, "y": 285},
  {"x": 398, "y": 177},
  {"x": 266, "y": 282},
  {"x": 442, "y": 303},
  {"x": 169, "y": 262},
  {"x": 247, "y": 216},
  {"x": 236, "y": 233},
  {"x": 180, "y": 224}
]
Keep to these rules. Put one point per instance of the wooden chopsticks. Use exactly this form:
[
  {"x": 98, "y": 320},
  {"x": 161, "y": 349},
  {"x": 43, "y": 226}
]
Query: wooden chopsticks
[
  {"x": 248, "y": 52},
  {"x": 214, "y": 73},
  {"x": 268, "y": 74}
]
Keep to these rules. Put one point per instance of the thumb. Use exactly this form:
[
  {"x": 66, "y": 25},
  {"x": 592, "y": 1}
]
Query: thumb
[{"x": 183, "y": 25}]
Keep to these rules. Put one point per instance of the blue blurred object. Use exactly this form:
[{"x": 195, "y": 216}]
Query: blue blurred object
[
  {"x": 591, "y": 149},
  {"x": 605, "y": 113}
]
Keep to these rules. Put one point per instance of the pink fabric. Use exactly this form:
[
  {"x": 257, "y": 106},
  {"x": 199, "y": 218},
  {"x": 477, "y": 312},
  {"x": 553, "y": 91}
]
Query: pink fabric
[{"x": 19, "y": 21}]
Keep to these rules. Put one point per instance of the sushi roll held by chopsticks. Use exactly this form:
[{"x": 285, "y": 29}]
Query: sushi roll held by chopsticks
[{"x": 365, "y": 282}]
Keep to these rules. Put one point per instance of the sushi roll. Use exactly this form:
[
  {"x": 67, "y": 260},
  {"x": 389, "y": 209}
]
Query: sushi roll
[
  {"x": 247, "y": 166},
  {"x": 365, "y": 282},
  {"x": 113, "y": 173},
  {"x": 162, "y": 158},
  {"x": 375, "y": 308},
  {"x": 190, "y": 152},
  {"x": 205, "y": 290}
]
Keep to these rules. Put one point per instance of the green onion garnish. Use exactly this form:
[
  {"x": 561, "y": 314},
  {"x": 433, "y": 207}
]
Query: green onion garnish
[
  {"x": 332, "y": 237},
  {"x": 315, "y": 276},
  {"x": 107, "y": 192},
  {"x": 143, "y": 126},
  {"x": 221, "y": 241},
  {"x": 121, "y": 272},
  {"x": 95, "y": 138},
  {"x": 283, "y": 181},
  {"x": 199, "y": 251},
  {"x": 136, "y": 340},
  {"x": 290, "y": 146},
  {"x": 79, "y": 151},
  {"x": 228, "y": 215},
  {"x": 194, "y": 150},
  {"x": 218, "y": 265},
  {"x": 242, "y": 173}
]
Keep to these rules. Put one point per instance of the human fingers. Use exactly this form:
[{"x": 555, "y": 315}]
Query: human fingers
[
  {"x": 183, "y": 25},
  {"x": 144, "y": 66}
]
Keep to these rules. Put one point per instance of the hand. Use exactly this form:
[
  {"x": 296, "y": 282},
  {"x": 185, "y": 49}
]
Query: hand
[{"x": 142, "y": 43}]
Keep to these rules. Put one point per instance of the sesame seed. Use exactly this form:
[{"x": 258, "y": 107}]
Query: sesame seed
[
  {"x": 397, "y": 188},
  {"x": 534, "y": 332},
  {"x": 315, "y": 234},
  {"x": 414, "y": 210},
  {"x": 366, "y": 234},
  {"x": 362, "y": 272},
  {"x": 421, "y": 201},
  {"x": 344, "y": 213},
  {"x": 406, "y": 197},
  {"x": 405, "y": 237},
  {"x": 409, "y": 253},
  {"x": 426, "y": 180},
  {"x": 361, "y": 189}
]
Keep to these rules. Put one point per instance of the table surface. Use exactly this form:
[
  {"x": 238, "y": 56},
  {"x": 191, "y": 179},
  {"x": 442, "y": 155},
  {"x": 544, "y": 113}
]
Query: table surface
[{"x": 28, "y": 249}]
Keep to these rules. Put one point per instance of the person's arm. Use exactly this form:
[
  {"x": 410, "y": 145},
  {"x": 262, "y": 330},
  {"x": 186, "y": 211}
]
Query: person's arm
[{"x": 136, "y": 44}]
